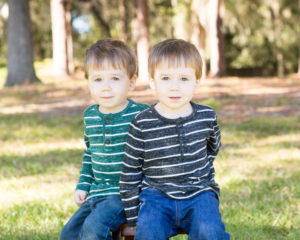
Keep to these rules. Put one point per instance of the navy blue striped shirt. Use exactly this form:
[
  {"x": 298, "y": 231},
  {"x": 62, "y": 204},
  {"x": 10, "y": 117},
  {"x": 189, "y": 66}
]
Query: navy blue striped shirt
[{"x": 174, "y": 156}]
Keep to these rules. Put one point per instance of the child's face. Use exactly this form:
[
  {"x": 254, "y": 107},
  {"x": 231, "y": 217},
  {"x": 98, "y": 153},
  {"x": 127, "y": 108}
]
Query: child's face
[
  {"x": 109, "y": 88},
  {"x": 174, "y": 87}
]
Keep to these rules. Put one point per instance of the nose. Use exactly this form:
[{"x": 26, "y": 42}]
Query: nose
[
  {"x": 174, "y": 85},
  {"x": 106, "y": 85}
]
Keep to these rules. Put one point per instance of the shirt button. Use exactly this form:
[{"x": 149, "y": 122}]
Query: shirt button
[
  {"x": 107, "y": 121},
  {"x": 106, "y": 131},
  {"x": 107, "y": 142}
]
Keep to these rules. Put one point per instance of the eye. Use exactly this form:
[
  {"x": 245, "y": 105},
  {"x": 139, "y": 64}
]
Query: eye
[
  {"x": 115, "y": 78},
  {"x": 165, "y": 78},
  {"x": 184, "y": 79},
  {"x": 98, "y": 79}
]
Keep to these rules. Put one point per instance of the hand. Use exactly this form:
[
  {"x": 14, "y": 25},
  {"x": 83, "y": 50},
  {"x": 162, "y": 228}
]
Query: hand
[
  {"x": 133, "y": 228},
  {"x": 79, "y": 197}
]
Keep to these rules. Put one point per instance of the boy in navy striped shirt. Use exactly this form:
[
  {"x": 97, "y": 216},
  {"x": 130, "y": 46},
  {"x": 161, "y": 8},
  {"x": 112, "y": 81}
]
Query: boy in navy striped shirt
[
  {"x": 167, "y": 181},
  {"x": 110, "y": 68}
]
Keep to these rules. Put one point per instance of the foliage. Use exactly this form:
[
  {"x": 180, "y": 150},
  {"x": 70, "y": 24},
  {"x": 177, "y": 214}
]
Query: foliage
[
  {"x": 249, "y": 28},
  {"x": 250, "y": 34}
]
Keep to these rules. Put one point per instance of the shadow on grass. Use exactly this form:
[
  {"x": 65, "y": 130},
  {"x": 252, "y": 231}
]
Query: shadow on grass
[
  {"x": 37, "y": 128},
  {"x": 262, "y": 127},
  {"x": 50, "y": 161}
]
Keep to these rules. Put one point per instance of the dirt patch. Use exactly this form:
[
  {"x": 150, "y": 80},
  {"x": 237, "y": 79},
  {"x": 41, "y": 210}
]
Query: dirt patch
[{"x": 239, "y": 98}]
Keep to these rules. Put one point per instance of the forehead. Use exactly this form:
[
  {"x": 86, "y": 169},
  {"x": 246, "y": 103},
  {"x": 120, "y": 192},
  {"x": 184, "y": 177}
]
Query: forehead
[
  {"x": 165, "y": 68},
  {"x": 95, "y": 70},
  {"x": 105, "y": 63}
]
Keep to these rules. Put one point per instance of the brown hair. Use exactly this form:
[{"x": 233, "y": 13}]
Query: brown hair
[
  {"x": 175, "y": 52},
  {"x": 110, "y": 51}
]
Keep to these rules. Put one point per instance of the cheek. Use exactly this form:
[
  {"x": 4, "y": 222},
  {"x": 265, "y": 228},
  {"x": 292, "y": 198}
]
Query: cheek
[{"x": 188, "y": 88}]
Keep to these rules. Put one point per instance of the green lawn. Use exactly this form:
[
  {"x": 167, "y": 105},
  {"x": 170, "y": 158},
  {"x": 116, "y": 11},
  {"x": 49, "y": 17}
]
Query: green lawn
[
  {"x": 258, "y": 170},
  {"x": 40, "y": 157}
]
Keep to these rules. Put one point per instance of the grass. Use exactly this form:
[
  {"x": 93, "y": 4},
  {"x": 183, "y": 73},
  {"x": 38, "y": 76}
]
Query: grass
[
  {"x": 40, "y": 158},
  {"x": 258, "y": 170}
]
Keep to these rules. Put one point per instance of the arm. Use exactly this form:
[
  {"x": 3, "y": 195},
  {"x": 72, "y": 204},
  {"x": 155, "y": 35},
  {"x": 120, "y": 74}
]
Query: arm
[
  {"x": 214, "y": 141},
  {"x": 86, "y": 177},
  {"x": 131, "y": 176}
]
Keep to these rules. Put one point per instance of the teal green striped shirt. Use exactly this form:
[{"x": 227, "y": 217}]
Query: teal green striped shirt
[{"x": 105, "y": 137}]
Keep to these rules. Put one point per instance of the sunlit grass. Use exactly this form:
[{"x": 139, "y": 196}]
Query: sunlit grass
[{"x": 258, "y": 171}]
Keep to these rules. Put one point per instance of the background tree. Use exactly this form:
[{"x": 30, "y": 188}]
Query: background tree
[
  {"x": 19, "y": 45},
  {"x": 97, "y": 10},
  {"x": 124, "y": 20},
  {"x": 142, "y": 39},
  {"x": 61, "y": 37},
  {"x": 216, "y": 40},
  {"x": 299, "y": 38}
]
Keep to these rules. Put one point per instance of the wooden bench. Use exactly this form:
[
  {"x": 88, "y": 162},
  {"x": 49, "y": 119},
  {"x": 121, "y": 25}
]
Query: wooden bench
[
  {"x": 127, "y": 233},
  {"x": 123, "y": 231}
]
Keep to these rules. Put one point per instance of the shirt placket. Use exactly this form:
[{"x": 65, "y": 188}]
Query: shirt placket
[
  {"x": 180, "y": 132},
  {"x": 107, "y": 132}
]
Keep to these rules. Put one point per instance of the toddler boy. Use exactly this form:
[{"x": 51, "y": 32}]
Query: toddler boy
[
  {"x": 110, "y": 68},
  {"x": 167, "y": 181}
]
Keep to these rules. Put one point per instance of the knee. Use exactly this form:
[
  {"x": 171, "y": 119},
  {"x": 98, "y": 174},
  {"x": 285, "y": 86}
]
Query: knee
[
  {"x": 91, "y": 230},
  {"x": 63, "y": 234},
  {"x": 151, "y": 232},
  {"x": 211, "y": 231},
  {"x": 66, "y": 233}
]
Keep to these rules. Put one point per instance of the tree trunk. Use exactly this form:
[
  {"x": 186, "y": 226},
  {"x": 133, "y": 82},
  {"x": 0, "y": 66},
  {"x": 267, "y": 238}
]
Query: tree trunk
[
  {"x": 124, "y": 20},
  {"x": 19, "y": 45},
  {"x": 102, "y": 23},
  {"x": 143, "y": 40},
  {"x": 70, "y": 60},
  {"x": 299, "y": 40},
  {"x": 198, "y": 36},
  {"x": 216, "y": 40},
  {"x": 60, "y": 38},
  {"x": 277, "y": 28},
  {"x": 179, "y": 19}
]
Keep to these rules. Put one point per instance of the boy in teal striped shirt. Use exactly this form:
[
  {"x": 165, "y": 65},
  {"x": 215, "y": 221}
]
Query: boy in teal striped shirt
[{"x": 110, "y": 68}]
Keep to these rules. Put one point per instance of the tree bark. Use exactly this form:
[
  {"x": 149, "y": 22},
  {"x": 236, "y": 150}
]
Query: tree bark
[
  {"x": 198, "y": 36},
  {"x": 179, "y": 19},
  {"x": 216, "y": 40},
  {"x": 61, "y": 38},
  {"x": 277, "y": 29},
  {"x": 143, "y": 40},
  {"x": 124, "y": 20},
  {"x": 102, "y": 23},
  {"x": 19, "y": 45},
  {"x": 299, "y": 40},
  {"x": 70, "y": 60}
]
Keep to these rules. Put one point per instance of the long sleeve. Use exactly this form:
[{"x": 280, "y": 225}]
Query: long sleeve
[
  {"x": 86, "y": 177},
  {"x": 214, "y": 141},
  {"x": 131, "y": 176}
]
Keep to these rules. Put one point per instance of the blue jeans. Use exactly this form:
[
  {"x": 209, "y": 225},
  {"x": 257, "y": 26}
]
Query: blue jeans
[
  {"x": 95, "y": 219},
  {"x": 161, "y": 217}
]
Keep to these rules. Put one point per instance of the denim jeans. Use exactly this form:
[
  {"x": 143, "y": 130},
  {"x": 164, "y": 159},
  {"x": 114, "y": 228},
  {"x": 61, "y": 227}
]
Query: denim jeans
[
  {"x": 161, "y": 217},
  {"x": 95, "y": 219}
]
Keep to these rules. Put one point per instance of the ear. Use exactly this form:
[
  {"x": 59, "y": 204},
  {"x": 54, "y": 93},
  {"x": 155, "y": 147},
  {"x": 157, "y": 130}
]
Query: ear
[
  {"x": 132, "y": 82},
  {"x": 151, "y": 83},
  {"x": 197, "y": 83}
]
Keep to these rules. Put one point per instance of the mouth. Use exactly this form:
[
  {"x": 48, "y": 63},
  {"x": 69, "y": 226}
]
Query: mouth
[
  {"x": 174, "y": 98},
  {"x": 106, "y": 98}
]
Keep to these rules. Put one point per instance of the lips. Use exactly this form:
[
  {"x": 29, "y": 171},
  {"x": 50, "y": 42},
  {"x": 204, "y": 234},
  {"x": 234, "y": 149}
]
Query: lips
[
  {"x": 174, "y": 98},
  {"x": 107, "y": 98}
]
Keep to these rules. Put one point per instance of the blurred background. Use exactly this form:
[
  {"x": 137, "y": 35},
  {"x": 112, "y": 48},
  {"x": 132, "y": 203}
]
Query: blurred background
[
  {"x": 235, "y": 37},
  {"x": 251, "y": 51}
]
